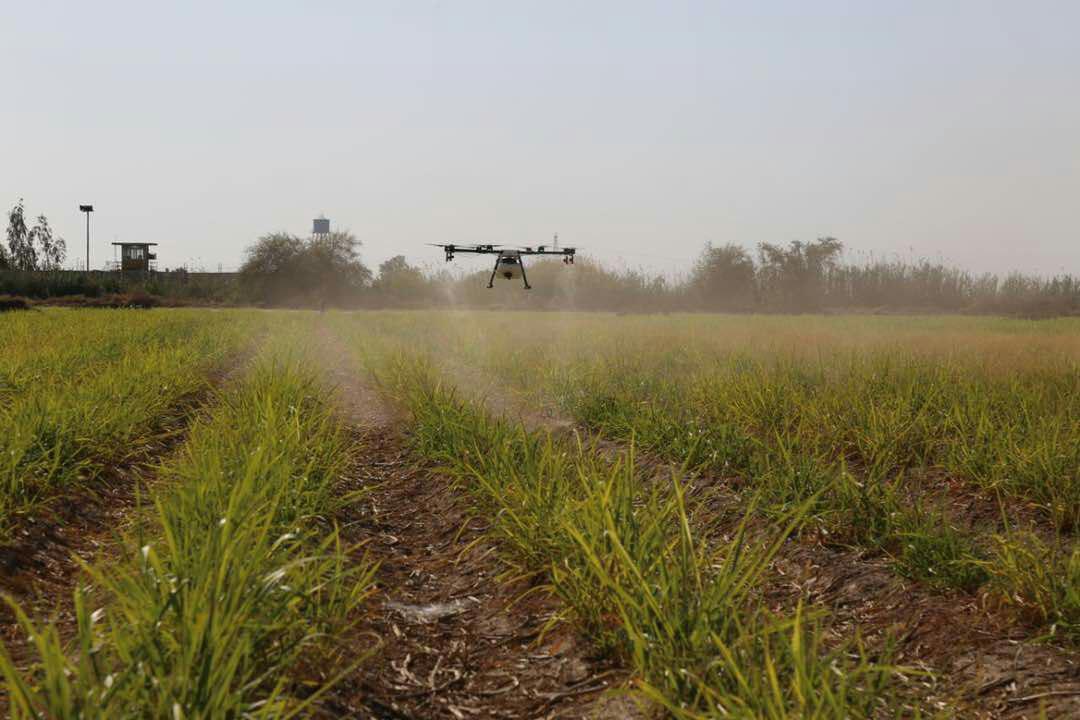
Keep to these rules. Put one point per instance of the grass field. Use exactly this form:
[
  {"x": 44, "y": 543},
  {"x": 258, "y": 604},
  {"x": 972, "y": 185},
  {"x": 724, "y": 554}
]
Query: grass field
[{"x": 706, "y": 498}]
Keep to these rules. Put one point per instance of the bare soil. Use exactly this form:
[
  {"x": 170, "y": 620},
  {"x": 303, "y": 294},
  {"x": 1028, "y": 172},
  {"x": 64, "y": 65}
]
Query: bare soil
[
  {"x": 450, "y": 638},
  {"x": 978, "y": 662}
]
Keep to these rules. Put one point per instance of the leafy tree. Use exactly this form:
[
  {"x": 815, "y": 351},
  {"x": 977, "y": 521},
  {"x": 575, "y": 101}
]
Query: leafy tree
[
  {"x": 283, "y": 268},
  {"x": 51, "y": 250},
  {"x": 400, "y": 282},
  {"x": 270, "y": 267},
  {"x": 33, "y": 248},
  {"x": 272, "y": 254},
  {"x": 796, "y": 277},
  {"x": 20, "y": 244},
  {"x": 332, "y": 269},
  {"x": 723, "y": 277}
]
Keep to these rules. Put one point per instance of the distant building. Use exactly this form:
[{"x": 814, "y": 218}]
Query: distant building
[{"x": 135, "y": 257}]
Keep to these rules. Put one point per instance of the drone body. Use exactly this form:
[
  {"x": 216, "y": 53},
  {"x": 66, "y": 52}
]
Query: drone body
[
  {"x": 510, "y": 262},
  {"x": 509, "y": 267}
]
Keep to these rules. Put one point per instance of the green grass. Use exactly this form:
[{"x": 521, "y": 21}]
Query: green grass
[
  {"x": 1040, "y": 581},
  {"x": 929, "y": 548},
  {"x": 236, "y": 589}
]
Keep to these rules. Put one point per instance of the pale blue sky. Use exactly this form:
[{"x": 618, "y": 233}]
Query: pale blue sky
[{"x": 637, "y": 129}]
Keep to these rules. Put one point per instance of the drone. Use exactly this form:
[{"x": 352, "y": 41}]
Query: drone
[{"x": 510, "y": 260}]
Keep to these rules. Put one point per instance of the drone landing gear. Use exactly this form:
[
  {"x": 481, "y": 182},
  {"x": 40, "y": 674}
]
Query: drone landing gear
[
  {"x": 495, "y": 270},
  {"x": 524, "y": 277}
]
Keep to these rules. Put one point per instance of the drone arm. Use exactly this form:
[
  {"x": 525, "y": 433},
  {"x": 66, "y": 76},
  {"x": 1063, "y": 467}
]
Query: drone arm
[
  {"x": 451, "y": 250},
  {"x": 566, "y": 253}
]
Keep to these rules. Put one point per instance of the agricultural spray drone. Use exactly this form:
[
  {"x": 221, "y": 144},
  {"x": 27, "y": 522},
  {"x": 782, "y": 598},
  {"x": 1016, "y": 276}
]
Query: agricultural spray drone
[{"x": 510, "y": 260}]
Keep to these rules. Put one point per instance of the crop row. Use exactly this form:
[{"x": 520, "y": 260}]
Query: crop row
[
  {"x": 883, "y": 425},
  {"x": 81, "y": 391},
  {"x": 230, "y": 594},
  {"x": 626, "y": 558}
]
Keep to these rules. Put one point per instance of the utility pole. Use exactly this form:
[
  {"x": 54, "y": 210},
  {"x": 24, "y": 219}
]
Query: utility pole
[{"x": 87, "y": 209}]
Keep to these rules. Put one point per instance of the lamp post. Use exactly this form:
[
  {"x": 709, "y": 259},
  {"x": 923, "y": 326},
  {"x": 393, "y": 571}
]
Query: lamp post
[{"x": 87, "y": 209}]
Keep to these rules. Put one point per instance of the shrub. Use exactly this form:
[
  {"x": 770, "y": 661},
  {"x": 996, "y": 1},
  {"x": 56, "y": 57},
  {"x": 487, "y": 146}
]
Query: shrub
[{"x": 7, "y": 302}]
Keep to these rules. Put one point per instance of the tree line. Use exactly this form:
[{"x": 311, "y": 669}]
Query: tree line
[
  {"x": 801, "y": 276},
  {"x": 281, "y": 269}
]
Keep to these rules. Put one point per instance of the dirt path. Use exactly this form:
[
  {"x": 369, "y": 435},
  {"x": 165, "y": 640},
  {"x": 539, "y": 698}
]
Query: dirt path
[{"x": 453, "y": 640}]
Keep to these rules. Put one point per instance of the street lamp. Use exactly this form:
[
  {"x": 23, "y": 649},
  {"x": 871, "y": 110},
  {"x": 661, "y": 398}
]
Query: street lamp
[{"x": 87, "y": 209}]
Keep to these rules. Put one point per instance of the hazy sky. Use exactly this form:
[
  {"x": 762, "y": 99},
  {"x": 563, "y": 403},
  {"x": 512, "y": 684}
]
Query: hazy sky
[{"x": 637, "y": 130}]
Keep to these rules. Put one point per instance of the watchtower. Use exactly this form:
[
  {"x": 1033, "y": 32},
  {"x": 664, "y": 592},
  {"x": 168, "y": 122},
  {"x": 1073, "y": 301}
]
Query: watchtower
[{"x": 135, "y": 257}]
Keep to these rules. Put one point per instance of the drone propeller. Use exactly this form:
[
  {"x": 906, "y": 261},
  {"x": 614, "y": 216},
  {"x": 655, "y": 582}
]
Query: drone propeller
[
  {"x": 467, "y": 247},
  {"x": 542, "y": 248},
  {"x": 477, "y": 249},
  {"x": 448, "y": 245}
]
